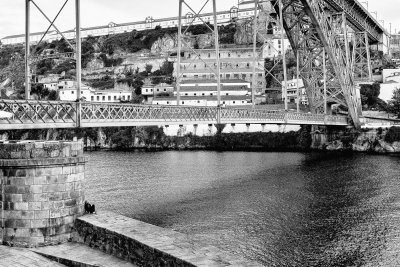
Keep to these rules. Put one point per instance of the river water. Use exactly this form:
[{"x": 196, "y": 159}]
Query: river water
[{"x": 280, "y": 209}]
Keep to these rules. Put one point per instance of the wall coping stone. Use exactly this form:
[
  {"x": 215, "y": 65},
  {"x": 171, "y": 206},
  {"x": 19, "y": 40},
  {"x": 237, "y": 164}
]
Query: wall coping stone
[
  {"x": 42, "y": 162},
  {"x": 158, "y": 240}
]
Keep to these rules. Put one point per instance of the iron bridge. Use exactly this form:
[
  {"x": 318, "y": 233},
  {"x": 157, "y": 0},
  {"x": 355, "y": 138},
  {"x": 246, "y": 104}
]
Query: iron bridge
[{"x": 34, "y": 114}]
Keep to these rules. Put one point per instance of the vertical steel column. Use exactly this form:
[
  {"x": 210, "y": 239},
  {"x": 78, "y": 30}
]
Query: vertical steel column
[
  {"x": 368, "y": 56},
  {"x": 324, "y": 72},
  {"x": 299, "y": 94},
  {"x": 78, "y": 61},
  {"x": 178, "y": 55},
  {"x": 283, "y": 52},
  {"x": 255, "y": 29},
  {"x": 218, "y": 73},
  {"x": 27, "y": 49}
]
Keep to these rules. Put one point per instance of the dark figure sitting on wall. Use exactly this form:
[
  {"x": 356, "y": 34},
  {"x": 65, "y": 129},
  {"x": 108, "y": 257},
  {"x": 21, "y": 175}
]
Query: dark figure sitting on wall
[{"x": 89, "y": 208}]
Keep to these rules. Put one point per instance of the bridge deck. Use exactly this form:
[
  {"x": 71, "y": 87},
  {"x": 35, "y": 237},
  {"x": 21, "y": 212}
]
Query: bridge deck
[{"x": 33, "y": 114}]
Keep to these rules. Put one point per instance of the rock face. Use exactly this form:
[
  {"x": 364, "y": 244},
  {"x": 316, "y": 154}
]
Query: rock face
[
  {"x": 244, "y": 28},
  {"x": 367, "y": 141},
  {"x": 205, "y": 41},
  {"x": 164, "y": 44},
  {"x": 95, "y": 64}
]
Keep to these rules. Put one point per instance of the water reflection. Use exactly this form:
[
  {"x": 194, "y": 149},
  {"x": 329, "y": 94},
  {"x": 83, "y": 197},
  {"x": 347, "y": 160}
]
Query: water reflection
[{"x": 282, "y": 209}]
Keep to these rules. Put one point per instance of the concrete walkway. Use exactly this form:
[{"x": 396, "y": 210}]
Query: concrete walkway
[
  {"x": 72, "y": 253},
  {"x": 22, "y": 257}
]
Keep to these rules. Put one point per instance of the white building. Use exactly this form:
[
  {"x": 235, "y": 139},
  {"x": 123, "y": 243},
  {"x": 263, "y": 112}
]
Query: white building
[
  {"x": 204, "y": 93},
  {"x": 111, "y": 96},
  {"x": 387, "y": 89},
  {"x": 162, "y": 88},
  {"x": 69, "y": 94},
  {"x": 292, "y": 86}
]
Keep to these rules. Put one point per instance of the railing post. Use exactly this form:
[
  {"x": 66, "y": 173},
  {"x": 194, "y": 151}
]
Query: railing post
[
  {"x": 78, "y": 62},
  {"x": 218, "y": 115},
  {"x": 27, "y": 50}
]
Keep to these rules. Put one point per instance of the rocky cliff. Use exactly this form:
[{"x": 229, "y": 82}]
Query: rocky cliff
[{"x": 369, "y": 140}]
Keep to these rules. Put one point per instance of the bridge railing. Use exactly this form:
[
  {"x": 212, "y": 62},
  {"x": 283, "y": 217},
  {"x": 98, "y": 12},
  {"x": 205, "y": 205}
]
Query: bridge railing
[
  {"x": 28, "y": 114},
  {"x": 100, "y": 112},
  {"x": 35, "y": 112}
]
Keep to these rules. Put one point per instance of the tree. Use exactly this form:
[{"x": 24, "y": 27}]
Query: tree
[
  {"x": 369, "y": 94},
  {"x": 148, "y": 68},
  {"x": 167, "y": 68},
  {"x": 394, "y": 104}
]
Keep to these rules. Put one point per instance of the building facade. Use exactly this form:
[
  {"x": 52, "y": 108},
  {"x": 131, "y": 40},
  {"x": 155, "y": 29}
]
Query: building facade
[
  {"x": 204, "y": 93},
  {"x": 291, "y": 89},
  {"x": 235, "y": 63}
]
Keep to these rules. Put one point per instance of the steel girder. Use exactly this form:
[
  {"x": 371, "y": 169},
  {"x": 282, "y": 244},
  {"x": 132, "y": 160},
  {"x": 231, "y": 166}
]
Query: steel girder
[{"x": 318, "y": 36}]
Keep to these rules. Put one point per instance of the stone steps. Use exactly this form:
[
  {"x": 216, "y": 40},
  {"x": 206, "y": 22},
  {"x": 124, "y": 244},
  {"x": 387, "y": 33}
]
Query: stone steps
[
  {"x": 79, "y": 255},
  {"x": 21, "y": 257}
]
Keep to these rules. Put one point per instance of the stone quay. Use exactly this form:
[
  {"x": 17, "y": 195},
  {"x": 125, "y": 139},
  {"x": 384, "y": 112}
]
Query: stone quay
[{"x": 41, "y": 191}]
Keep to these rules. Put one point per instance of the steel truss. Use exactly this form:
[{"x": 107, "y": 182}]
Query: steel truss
[
  {"x": 361, "y": 59},
  {"x": 184, "y": 44},
  {"x": 34, "y": 114},
  {"x": 31, "y": 58},
  {"x": 319, "y": 38}
]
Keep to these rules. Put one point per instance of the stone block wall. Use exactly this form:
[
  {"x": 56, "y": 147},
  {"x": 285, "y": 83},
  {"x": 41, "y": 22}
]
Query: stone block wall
[{"x": 41, "y": 191}]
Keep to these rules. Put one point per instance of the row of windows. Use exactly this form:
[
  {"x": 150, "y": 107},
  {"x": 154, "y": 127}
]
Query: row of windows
[
  {"x": 115, "y": 98},
  {"x": 158, "y": 90},
  {"x": 203, "y": 94},
  {"x": 227, "y": 76},
  {"x": 198, "y": 101}
]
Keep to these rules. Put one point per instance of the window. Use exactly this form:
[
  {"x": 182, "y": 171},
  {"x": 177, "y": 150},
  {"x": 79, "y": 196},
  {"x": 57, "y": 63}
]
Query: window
[
  {"x": 227, "y": 93},
  {"x": 104, "y": 97},
  {"x": 91, "y": 98},
  {"x": 165, "y": 89},
  {"x": 186, "y": 93},
  {"x": 233, "y": 102},
  {"x": 109, "y": 98},
  {"x": 72, "y": 92},
  {"x": 115, "y": 97},
  {"x": 183, "y": 102},
  {"x": 198, "y": 101},
  {"x": 167, "y": 102},
  {"x": 147, "y": 90},
  {"x": 129, "y": 97},
  {"x": 98, "y": 98},
  {"x": 194, "y": 94},
  {"x": 260, "y": 75},
  {"x": 228, "y": 76},
  {"x": 158, "y": 90},
  {"x": 123, "y": 97},
  {"x": 209, "y": 55},
  {"x": 203, "y": 94},
  {"x": 211, "y": 93}
]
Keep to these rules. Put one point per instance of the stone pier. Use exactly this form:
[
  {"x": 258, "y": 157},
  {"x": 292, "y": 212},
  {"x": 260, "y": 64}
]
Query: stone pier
[{"x": 41, "y": 191}]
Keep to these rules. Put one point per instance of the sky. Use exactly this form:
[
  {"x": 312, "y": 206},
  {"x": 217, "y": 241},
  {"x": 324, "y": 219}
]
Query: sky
[{"x": 101, "y": 12}]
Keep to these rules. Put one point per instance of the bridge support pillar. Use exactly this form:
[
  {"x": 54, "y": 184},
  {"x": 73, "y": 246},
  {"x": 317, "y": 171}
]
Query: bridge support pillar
[{"x": 41, "y": 191}]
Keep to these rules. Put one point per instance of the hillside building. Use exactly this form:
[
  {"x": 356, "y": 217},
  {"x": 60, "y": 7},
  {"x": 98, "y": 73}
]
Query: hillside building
[
  {"x": 204, "y": 93},
  {"x": 292, "y": 91},
  {"x": 236, "y": 63}
]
